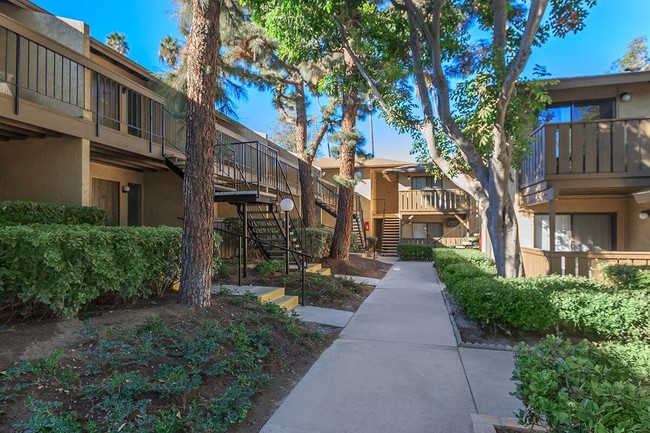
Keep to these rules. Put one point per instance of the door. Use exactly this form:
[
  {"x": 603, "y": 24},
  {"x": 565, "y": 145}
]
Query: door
[
  {"x": 134, "y": 205},
  {"x": 106, "y": 195}
]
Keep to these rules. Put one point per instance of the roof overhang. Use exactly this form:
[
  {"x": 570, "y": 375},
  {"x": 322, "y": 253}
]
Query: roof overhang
[
  {"x": 601, "y": 80},
  {"x": 642, "y": 196}
]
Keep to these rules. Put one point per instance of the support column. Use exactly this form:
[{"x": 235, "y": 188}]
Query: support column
[
  {"x": 551, "y": 224},
  {"x": 245, "y": 233}
]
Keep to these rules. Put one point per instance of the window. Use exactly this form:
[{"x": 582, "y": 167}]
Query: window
[
  {"x": 426, "y": 230},
  {"x": 425, "y": 182},
  {"x": 576, "y": 232},
  {"x": 577, "y": 111}
]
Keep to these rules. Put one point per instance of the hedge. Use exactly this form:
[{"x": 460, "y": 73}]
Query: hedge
[
  {"x": 547, "y": 303},
  {"x": 27, "y": 212},
  {"x": 582, "y": 388},
  {"x": 66, "y": 268},
  {"x": 627, "y": 276},
  {"x": 415, "y": 252}
]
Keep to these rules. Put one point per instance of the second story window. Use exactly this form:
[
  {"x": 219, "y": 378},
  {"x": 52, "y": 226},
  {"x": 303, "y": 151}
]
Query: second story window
[
  {"x": 578, "y": 111},
  {"x": 426, "y": 182}
]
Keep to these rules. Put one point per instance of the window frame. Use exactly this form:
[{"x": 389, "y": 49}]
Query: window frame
[{"x": 572, "y": 106}]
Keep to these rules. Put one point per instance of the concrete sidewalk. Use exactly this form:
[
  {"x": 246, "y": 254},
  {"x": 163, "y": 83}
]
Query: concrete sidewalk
[{"x": 395, "y": 368}]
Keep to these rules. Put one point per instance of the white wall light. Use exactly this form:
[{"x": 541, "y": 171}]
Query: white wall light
[
  {"x": 625, "y": 97},
  {"x": 644, "y": 214}
]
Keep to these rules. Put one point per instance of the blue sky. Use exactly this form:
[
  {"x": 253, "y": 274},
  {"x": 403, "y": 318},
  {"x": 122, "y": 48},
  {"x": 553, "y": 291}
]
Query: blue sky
[{"x": 610, "y": 26}]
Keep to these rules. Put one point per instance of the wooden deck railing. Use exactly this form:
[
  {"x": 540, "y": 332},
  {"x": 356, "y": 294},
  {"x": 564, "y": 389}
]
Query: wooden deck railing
[
  {"x": 539, "y": 262},
  {"x": 440, "y": 242},
  {"x": 615, "y": 146},
  {"x": 443, "y": 200}
]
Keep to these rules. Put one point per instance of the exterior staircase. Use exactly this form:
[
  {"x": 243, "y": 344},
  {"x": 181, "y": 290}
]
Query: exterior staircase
[
  {"x": 327, "y": 198},
  {"x": 390, "y": 236},
  {"x": 275, "y": 295}
]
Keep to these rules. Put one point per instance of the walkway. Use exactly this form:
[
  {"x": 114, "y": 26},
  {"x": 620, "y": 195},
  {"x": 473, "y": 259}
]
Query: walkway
[{"x": 396, "y": 368}]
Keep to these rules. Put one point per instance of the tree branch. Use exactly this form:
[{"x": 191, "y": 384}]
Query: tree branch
[
  {"x": 281, "y": 109},
  {"x": 315, "y": 144}
]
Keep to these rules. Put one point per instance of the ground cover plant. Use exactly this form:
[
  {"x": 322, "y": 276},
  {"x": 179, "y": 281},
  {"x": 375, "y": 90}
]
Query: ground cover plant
[{"x": 178, "y": 371}]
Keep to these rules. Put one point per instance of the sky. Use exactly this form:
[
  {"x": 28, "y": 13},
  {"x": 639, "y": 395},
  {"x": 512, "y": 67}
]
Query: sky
[{"x": 609, "y": 27}]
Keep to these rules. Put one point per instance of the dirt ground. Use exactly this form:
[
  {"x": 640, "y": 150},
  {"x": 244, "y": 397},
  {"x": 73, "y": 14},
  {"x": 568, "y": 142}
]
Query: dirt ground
[
  {"x": 356, "y": 265},
  {"x": 27, "y": 341}
]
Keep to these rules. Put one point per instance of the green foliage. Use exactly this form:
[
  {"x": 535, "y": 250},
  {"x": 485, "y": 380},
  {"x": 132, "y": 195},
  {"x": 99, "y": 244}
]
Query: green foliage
[
  {"x": 371, "y": 242},
  {"x": 188, "y": 374},
  {"x": 269, "y": 267},
  {"x": 627, "y": 276},
  {"x": 319, "y": 241},
  {"x": 570, "y": 304},
  {"x": 636, "y": 58},
  {"x": 579, "y": 388},
  {"x": 67, "y": 267},
  {"x": 415, "y": 252},
  {"x": 28, "y": 212}
]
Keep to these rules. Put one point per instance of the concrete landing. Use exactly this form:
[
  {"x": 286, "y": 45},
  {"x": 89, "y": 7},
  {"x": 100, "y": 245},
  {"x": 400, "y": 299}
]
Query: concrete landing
[
  {"x": 323, "y": 316},
  {"x": 360, "y": 280}
]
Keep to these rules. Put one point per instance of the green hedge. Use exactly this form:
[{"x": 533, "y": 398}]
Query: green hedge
[
  {"x": 27, "y": 212},
  {"x": 415, "y": 252},
  {"x": 547, "y": 303},
  {"x": 581, "y": 388},
  {"x": 67, "y": 267},
  {"x": 627, "y": 276}
]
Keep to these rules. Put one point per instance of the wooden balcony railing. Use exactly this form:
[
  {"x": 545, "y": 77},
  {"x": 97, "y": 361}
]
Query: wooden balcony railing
[
  {"x": 540, "y": 262},
  {"x": 442, "y": 200},
  {"x": 615, "y": 146}
]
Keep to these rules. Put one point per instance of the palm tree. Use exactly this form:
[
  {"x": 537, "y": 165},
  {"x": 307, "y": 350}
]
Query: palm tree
[
  {"x": 117, "y": 41},
  {"x": 169, "y": 51}
]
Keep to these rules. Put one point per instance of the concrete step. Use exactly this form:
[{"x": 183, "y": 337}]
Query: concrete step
[
  {"x": 262, "y": 293},
  {"x": 324, "y": 271},
  {"x": 287, "y": 302}
]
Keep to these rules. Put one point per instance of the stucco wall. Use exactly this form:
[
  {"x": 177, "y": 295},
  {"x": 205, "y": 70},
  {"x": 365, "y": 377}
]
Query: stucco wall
[
  {"x": 163, "y": 199},
  {"x": 52, "y": 169},
  {"x": 638, "y": 230},
  {"x": 637, "y": 106}
]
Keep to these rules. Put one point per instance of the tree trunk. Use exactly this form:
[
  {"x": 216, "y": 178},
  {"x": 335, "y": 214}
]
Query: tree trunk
[
  {"x": 343, "y": 228},
  {"x": 198, "y": 187},
  {"x": 307, "y": 198}
]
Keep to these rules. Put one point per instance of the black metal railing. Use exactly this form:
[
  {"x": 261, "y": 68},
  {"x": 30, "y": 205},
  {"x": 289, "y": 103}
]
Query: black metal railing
[
  {"x": 302, "y": 263},
  {"x": 326, "y": 193}
]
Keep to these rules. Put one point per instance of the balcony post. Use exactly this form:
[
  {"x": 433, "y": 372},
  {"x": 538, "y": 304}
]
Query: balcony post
[
  {"x": 17, "y": 92},
  {"x": 551, "y": 224}
]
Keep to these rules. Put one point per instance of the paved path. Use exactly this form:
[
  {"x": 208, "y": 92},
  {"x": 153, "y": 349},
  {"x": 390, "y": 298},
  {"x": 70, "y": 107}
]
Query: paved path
[{"x": 395, "y": 368}]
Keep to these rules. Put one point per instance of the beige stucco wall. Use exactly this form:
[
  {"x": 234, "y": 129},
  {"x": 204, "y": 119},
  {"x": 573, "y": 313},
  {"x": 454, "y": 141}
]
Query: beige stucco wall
[
  {"x": 124, "y": 177},
  {"x": 637, "y": 106},
  {"x": 638, "y": 230},
  {"x": 162, "y": 199},
  {"x": 51, "y": 169},
  {"x": 384, "y": 189}
]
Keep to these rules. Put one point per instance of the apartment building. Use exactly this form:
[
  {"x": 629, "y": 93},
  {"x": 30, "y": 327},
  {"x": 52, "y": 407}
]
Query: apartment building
[
  {"x": 584, "y": 189},
  {"x": 402, "y": 203},
  {"x": 82, "y": 124}
]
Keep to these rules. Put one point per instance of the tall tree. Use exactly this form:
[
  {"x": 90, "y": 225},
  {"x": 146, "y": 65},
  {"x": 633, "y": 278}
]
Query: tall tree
[
  {"x": 117, "y": 41},
  {"x": 202, "y": 60},
  {"x": 253, "y": 55},
  {"x": 306, "y": 31},
  {"x": 170, "y": 51},
  {"x": 474, "y": 131},
  {"x": 636, "y": 58}
]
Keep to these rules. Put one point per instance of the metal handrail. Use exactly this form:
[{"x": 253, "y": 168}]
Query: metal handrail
[{"x": 302, "y": 264}]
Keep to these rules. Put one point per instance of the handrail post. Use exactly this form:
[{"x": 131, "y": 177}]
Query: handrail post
[
  {"x": 257, "y": 156},
  {"x": 150, "y": 125},
  {"x": 239, "y": 261},
  {"x": 96, "y": 103},
  {"x": 163, "y": 133},
  {"x": 17, "y": 92},
  {"x": 302, "y": 280}
]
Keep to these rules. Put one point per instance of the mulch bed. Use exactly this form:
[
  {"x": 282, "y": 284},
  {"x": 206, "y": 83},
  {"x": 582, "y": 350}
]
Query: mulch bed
[
  {"x": 286, "y": 364},
  {"x": 356, "y": 265}
]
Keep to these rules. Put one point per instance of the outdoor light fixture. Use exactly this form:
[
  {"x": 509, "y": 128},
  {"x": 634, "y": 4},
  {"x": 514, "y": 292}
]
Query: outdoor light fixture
[
  {"x": 126, "y": 188},
  {"x": 287, "y": 206},
  {"x": 625, "y": 97},
  {"x": 644, "y": 214}
]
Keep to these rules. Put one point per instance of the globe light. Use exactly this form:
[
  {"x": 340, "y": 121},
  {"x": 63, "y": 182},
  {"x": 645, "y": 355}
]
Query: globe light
[{"x": 286, "y": 205}]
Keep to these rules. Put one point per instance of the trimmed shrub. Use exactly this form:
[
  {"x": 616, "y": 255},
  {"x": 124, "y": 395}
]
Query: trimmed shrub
[
  {"x": 627, "y": 276},
  {"x": 579, "y": 388},
  {"x": 67, "y": 267},
  {"x": 269, "y": 267},
  {"x": 27, "y": 212},
  {"x": 415, "y": 252},
  {"x": 371, "y": 242},
  {"x": 319, "y": 240},
  {"x": 546, "y": 303}
]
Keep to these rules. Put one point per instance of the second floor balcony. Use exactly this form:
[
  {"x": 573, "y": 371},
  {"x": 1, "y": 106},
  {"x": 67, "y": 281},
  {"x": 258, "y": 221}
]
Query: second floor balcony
[
  {"x": 589, "y": 153},
  {"x": 418, "y": 201}
]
